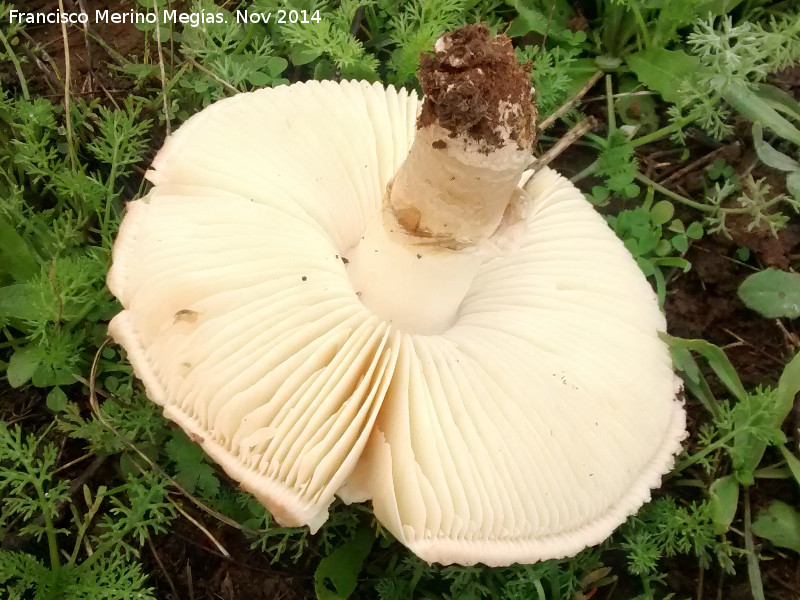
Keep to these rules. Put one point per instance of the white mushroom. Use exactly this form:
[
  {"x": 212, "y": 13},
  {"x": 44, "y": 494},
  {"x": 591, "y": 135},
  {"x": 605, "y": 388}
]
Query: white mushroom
[{"x": 501, "y": 394}]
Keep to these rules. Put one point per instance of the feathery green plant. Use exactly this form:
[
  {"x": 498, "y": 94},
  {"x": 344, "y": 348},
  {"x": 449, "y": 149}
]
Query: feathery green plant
[{"x": 95, "y": 556}]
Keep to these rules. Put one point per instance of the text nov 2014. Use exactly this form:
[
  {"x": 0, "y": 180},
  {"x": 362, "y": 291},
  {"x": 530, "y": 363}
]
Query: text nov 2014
[{"x": 193, "y": 19}]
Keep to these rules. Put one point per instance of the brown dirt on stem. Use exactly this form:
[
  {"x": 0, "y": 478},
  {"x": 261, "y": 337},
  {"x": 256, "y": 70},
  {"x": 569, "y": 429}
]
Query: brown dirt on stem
[{"x": 469, "y": 84}]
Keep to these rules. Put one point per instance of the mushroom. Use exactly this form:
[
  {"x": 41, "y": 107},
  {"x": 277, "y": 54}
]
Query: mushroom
[{"x": 336, "y": 297}]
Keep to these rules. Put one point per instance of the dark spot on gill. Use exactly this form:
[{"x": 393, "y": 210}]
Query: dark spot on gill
[{"x": 186, "y": 315}]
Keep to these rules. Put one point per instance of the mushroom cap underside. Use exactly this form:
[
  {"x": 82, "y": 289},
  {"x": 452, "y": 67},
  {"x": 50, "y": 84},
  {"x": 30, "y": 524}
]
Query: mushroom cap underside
[{"x": 529, "y": 429}]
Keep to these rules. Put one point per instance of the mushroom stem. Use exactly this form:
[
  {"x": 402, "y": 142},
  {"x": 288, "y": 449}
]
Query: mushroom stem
[
  {"x": 473, "y": 141},
  {"x": 456, "y": 199},
  {"x": 417, "y": 289}
]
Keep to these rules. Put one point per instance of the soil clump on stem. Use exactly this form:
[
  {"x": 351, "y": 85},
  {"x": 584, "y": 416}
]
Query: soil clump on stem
[{"x": 470, "y": 81}]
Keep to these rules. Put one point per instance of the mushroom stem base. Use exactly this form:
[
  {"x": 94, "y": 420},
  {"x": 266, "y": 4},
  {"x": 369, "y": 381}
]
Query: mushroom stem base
[{"x": 417, "y": 288}]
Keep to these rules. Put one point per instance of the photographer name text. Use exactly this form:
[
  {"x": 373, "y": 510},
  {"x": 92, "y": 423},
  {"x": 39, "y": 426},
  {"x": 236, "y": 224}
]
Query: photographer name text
[{"x": 193, "y": 19}]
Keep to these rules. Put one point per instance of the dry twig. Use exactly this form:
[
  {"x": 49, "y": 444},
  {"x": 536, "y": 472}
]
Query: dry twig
[
  {"x": 67, "y": 86},
  {"x": 161, "y": 565},
  {"x": 571, "y": 102},
  {"x": 707, "y": 158},
  {"x": 565, "y": 142},
  {"x": 162, "y": 70}
]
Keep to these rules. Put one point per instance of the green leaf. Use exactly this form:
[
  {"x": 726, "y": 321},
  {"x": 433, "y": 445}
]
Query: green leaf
[
  {"x": 48, "y": 375},
  {"x": 755, "y": 108},
  {"x": 647, "y": 243},
  {"x": 631, "y": 190},
  {"x": 684, "y": 362},
  {"x": 600, "y": 193},
  {"x": 772, "y": 293},
  {"x": 792, "y": 462},
  {"x": 301, "y": 55},
  {"x": 780, "y": 100},
  {"x": 26, "y": 571},
  {"x": 259, "y": 79},
  {"x": 677, "y": 226},
  {"x": 681, "y": 243},
  {"x": 793, "y": 184},
  {"x": 19, "y": 301},
  {"x": 663, "y": 248},
  {"x": 749, "y": 449},
  {"x": 336, "y": 576},
  {"x": 57, "y": 400},
  {"x": 780, "y": 524},
  {"x": 23, "y": 364},
  {"x": 646, "y": 266},
  {"x": 661, "y": 212},
  {"x": 717, "y": 360},
  {"x": 788, "y": 388},
  {"x": 693, "y": 379},
  {"x": 723, "y": 499},
  {"x": 663, "y": 70},
  {"x": 721, "y": 7},
  {"x": 769, "y": 156},
  {"x": 16, "y": 257},
  {"x": 277, "y": 65},
  {"x": 580, "y": 71},
  {"x": 525, "y": 23},
  {"x": 192, "y": 472},
  {"x": 753, "y": 570},
  {"x": 607, "y": 62},
  {"x": 674, "y": 261},
  {"x": 324, "y": 70},
  {"x": 637, "y": 110},
  {"x": 531, "y": 19},
  {"x": 694, "y": 231}
]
